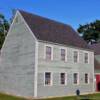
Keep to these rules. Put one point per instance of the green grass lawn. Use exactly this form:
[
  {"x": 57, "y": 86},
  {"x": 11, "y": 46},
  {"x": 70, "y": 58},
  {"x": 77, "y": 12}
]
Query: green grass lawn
[
  {"x": 8, "y": 97},
  {"x": 95, "y": 96}
]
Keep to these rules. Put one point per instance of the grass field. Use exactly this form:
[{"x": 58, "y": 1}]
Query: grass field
[
  {"x": 9, "y": 97},
  {"x": 83, "y": 97}
]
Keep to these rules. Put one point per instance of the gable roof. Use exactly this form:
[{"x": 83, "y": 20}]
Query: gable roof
[
  {"x": 96, "y": 64},
  {"x": 96, "y": 48},
  {"x": 53, "y": 31}
]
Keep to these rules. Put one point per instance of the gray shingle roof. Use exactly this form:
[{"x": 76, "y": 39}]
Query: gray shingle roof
[
  {"x": 96, "y": 48},
  {"x": 96, "y": 64},
  {"x": 53, "y": 31}
]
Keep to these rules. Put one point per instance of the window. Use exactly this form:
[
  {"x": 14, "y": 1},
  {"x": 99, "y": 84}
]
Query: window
[
  {"x": 63, "y": 54},
  {"x": 48, "y": 53},
  {"x": 47, "y": 78},
  {"x": 86, "y": 78},
  {"x": 75, "y": 77},
  {"x": 75, "y": 56},
  {"x": 86, "y": 58},
  {"x": 62, "y": 78}
]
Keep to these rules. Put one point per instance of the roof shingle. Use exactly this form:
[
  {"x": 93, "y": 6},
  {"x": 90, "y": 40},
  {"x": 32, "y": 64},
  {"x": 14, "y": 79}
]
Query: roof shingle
[
  {"x": 96, "y": 48},
  {"x": 96, "y": 64},
  {"x": 53, "y": 31}
]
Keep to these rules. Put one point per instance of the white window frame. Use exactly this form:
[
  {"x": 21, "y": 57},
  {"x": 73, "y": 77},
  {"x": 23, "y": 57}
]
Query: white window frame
[
  {"x": 78, "y": 78},
  {"x": 78, "y": 56},
  {"x": 65, "y": 53},
  {"x": 51, "y": 51},
  {"x": 65, "y": 78},
  {"x": 84, "y": 57},
  {"x": 51, "y": 81},
  {"x": 88, "y": 78}
]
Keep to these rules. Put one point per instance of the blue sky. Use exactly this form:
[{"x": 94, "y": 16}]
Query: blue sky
[{"x": 73, "y": 12}]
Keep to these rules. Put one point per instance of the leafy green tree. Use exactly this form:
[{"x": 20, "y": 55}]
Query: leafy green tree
[
  {"x": 4, "y": 26},
  {"x": 90, "y": 32}
]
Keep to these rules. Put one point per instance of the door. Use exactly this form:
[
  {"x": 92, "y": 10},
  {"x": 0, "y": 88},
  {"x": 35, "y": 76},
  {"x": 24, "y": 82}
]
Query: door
[
  {"x": 98, "y": 82},
  {"x": 98, "y": 86}
]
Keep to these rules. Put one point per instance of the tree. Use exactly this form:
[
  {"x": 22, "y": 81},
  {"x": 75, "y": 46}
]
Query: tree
[
  {"x": 90, "y": 32},
  {"x": 4, "y": 26}
]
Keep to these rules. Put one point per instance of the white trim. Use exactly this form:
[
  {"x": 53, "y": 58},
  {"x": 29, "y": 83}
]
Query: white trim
[
  {"x": 45, "y": 51},
  {"x": 51, "y": 80},
  {"x": 36, "y": 70},
  {"x": 93, "y": 70},
  {"x": 84, "y": 57},
  {"x": 10, "y": 29},
  {"x": 66, "y": 57},
  {"x": 77, "y": 55},
  {"x": 65, "y": 45},
  {"x": 36, "y": 49},
  {"x": 77, "y": 79},
  {"x": 88, "y": 78},
  {"x": 27, "y": 26},
  {"x": 36, "y": 56},
  {"x": 65, "y": 53},
  {"x": 17, "y": 12},
  {"x": 65, "y": 79}
]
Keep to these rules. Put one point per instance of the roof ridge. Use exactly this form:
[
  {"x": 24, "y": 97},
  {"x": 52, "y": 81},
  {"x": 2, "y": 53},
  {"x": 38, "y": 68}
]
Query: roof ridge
[
  {"x": 46, "y": 18},
  {"x": 53, "y": 31},
  {"x": 98, "y": 43}
]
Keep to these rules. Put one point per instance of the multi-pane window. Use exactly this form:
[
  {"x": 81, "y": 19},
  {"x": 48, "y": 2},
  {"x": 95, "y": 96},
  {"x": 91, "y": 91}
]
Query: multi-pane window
[
  {"x": 75, "y": 56},
  {"x": 62, "y": 78},
  {"x": 48, "y": 53},
  {"x": 75, "y": 78},
  {"x": 47, "y": 78},
  {"x": 86, "y": 58},
  {"x": 86, "y": 78},
  {"x": 63, "y": 54}
]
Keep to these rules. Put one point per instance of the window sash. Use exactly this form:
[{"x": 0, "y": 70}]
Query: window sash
[
  {"x": 86, "y": 78},
  {"x": 62, "y": 78},
  {"x": 86, "y": 58},
  {"x": 75, "y": 56},
  {"x": 48, "y": 52},
  {"x": 75, "y": 76},
  {"x": 63, "y": 54},
  {"x": 47, "y": 78}
]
